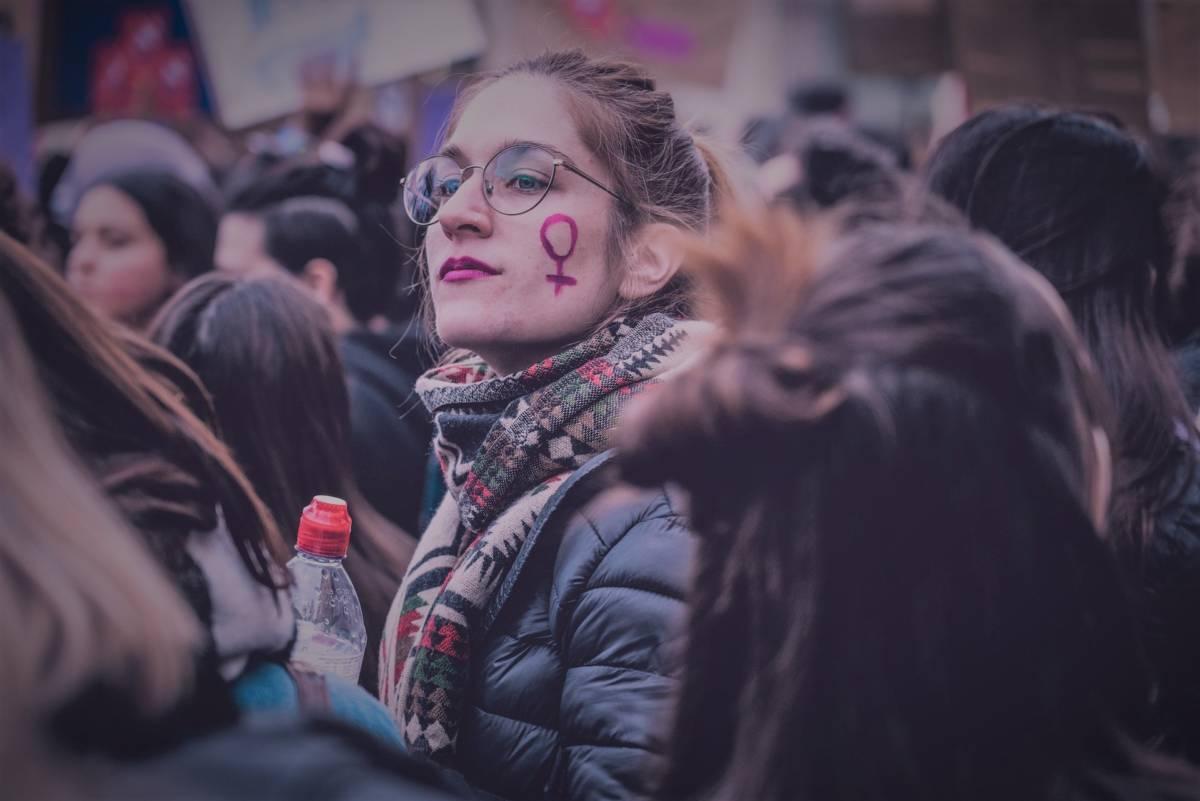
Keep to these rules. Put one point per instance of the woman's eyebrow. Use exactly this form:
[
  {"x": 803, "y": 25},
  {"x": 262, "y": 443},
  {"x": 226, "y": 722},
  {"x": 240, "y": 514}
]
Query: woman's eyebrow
[
  {"x": 530, "y": 143},
  {"x": 456, "y": 153},
  {"x": 452, "y": 152}
]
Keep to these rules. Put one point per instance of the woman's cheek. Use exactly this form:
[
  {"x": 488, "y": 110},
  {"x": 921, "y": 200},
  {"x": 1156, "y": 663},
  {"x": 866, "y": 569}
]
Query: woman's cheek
[{"x": 559, "y": 234}]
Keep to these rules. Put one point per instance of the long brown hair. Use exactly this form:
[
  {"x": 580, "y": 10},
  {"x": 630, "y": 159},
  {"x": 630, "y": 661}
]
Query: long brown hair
[
  {"x": 81, "y": 600},
  {"x": 130, "y": 410},
  {"x": 1081, "y": 202},
  {"x": 894, "y": 465},
  {"x": 267, "y": 353}
]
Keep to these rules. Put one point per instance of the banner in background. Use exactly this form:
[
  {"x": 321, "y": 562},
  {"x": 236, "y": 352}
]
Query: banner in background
[
  {"x": 253, "y": 51},
  {"x": 677, "y": 40},
  {"x": 142, "y": 72}
]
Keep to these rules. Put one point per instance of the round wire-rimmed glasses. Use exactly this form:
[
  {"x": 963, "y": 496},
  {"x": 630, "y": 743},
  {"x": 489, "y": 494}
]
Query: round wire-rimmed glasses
[{"x": 515, "y": 181}]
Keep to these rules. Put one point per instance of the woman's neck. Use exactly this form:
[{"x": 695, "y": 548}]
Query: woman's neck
[{"x": 506, "y": 360}]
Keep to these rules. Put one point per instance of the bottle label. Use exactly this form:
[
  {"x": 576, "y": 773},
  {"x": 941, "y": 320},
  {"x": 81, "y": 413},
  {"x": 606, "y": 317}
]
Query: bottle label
[{"x": 321, "y": 652}]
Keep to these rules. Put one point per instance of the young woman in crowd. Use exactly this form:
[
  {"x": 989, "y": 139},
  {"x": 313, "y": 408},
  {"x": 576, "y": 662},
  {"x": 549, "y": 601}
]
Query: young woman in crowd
[
  {"x": 266, "y": 352},
  {"x": 900, "y": 591},
  {"x": 137, "y": 236},
  {"x": 530, "y": 655},
  {"x": 1078, "y": 200}
]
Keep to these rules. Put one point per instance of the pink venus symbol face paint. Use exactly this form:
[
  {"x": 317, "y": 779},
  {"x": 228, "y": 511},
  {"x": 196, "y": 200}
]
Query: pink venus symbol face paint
[{"x": 559, "y": 234}]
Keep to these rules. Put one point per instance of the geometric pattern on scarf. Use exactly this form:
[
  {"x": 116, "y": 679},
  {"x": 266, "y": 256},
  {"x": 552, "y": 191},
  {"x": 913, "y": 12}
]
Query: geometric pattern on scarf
[{"x": 543, "y": 424}]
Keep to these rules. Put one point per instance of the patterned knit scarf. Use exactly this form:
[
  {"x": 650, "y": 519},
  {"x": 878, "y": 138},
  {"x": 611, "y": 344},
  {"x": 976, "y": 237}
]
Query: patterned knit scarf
[{"x": 504, "y": 444}]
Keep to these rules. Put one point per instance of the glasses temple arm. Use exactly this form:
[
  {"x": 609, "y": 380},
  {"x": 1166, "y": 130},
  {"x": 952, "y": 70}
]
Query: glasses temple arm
[{"x": 591, "y": 180}]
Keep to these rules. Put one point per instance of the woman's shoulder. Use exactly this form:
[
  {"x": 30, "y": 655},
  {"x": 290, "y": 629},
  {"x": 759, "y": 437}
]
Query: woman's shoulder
[{"x": 625, "y": 537}]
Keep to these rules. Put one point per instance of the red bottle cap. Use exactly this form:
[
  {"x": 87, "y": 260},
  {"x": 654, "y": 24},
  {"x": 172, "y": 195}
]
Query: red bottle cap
[{"x": 324, "y": 528}]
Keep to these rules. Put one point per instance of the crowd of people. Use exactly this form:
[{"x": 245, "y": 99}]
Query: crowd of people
[{"x": 673, "y": 476}]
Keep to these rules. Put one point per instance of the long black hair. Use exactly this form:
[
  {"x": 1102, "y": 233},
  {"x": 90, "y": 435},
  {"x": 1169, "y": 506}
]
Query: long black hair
[
  {"x": 267, "y": 353},
  {"x": 1078, "y": 199},
  {"x": 304, "y": 228},
  {"x": 895, "y": 466}
]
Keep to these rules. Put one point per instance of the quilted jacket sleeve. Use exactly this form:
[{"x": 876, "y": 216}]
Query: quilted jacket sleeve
[{"x": 618, "y": 613}]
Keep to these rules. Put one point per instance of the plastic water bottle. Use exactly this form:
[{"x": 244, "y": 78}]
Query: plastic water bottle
[{"x": 330, "y": 635}]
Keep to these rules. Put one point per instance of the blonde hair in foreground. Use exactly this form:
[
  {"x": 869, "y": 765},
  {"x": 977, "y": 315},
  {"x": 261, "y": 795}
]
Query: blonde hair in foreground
[{"x": 81, "y": 600}]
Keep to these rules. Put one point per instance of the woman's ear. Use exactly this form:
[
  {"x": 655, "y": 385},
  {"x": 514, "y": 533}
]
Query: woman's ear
[
  {"x": 656, "y": 257},
  {"x": 321, "y": 278}
]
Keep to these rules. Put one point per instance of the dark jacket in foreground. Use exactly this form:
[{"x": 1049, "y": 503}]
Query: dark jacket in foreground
[
  {"x": 1171, "y": 613},
  {"x": 573, "y": 684},
  {"x": 390, "y": 430}
]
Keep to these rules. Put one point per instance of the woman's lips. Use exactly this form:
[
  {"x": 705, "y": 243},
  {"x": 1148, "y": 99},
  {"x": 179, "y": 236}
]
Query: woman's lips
[{"x": 465, "y": 268}]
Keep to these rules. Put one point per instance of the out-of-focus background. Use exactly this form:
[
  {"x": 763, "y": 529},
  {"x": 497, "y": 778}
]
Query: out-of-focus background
[{"x": 221, "y": 70}]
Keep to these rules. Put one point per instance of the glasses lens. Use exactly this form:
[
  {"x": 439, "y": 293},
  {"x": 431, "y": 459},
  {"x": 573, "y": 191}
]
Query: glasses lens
[
  {"x": 428, "y": 186},
  {"x": 518, "y": 178}
]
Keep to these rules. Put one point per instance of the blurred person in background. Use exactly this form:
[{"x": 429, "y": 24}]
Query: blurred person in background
[
  {"x": 1078, "y": 200},
  {"x": 829, "y": 164},
  {"x": 528, "y": 648},
  {"x": 894, "y": 460},
  {"x": 318, "y": 241},
  {"x": 309, "y": 222},
  {"x": 266, "y": 352},
  {"x": 363, "y": 170},
  {"x": 137, "y": 236}
]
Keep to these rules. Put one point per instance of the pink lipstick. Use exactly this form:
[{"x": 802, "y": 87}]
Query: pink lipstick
[{"x": 464, "y": 268}]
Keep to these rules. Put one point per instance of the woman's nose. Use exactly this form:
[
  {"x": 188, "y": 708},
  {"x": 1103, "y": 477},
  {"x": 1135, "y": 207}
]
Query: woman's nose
[
  {"x": 466, "y": 211},
  {"x": 80, "y": 260}
]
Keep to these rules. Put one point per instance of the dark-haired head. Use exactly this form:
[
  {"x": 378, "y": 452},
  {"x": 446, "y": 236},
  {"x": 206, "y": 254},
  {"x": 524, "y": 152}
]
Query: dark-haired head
[
  {"x": 272, "y": 217},
  {"x": 309, "y": 233},
  {"x": 266, "y": 351},
  {"x": 1078, "y": 199},
  {"x": 137, "y": 236},
  {"x": 901, "y": 592},
  {"x": 827, "y": 163}
]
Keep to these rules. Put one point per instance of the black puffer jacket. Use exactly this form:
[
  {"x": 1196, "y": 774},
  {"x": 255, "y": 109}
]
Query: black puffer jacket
[{"x": 574, "y": 682}]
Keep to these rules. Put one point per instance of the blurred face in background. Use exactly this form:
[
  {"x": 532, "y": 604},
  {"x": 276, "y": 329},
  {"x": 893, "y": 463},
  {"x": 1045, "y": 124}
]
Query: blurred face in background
[
  {"x": 488, "y": 271},
  {"x": 117, "y": 263},
  {"x": 241, "y": 246}
]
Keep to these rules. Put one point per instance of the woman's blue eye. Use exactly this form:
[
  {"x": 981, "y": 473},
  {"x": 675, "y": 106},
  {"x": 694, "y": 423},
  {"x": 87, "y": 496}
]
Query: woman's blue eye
[
  {"x": 525, "y": 182},
  {"x": 448, "y": 187}
]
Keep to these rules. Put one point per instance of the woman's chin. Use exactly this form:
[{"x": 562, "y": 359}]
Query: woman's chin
[{"x": 467, "y": 331}]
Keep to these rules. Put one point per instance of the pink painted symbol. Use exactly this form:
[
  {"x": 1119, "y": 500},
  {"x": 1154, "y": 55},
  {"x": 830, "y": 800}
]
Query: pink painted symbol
[{"x": 558, "y": 248}]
